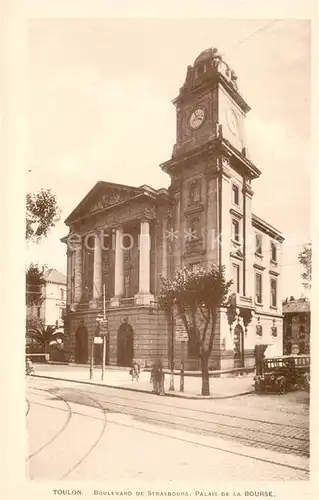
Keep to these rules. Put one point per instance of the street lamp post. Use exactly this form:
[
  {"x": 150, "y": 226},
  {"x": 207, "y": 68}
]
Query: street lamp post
[
  {"x": 104, "y": 337},
  {"x": 103, "y": 331},
  {"x": 171, "y": 383},
  {"x": 92, "y": 360}
]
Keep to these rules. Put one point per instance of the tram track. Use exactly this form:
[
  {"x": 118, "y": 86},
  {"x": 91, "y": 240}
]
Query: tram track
[
  {"x": 220, "y": 429},
  {"x": 261, "y": 438},
  {"x": 70, "y": 413},
  {"x": 57, "y": 434},
  {"x": 95, "y": 443},
  {"x": 277, "y": 425},
  {"x": 202, "y": 411},
  {"x": 155, "y": 432},
  {"x": 28, "y": 407}
]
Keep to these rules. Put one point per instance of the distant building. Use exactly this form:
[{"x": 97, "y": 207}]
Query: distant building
[
  {"x": 51, "y": 310},
  {"x": 296, "y": 336}
]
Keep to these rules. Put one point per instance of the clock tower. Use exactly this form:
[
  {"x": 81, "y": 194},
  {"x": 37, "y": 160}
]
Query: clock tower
[
  {"x": 210, "y": 172},
  {"x": 208, "y": 100}
]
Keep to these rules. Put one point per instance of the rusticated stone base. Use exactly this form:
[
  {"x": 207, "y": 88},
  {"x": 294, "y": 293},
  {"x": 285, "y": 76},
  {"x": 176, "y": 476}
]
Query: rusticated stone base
[{"x": 152, "y": 338}]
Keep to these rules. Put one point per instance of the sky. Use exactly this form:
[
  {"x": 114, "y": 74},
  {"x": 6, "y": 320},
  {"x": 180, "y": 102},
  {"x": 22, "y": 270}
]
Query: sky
[{"x": 100, "y": 108}]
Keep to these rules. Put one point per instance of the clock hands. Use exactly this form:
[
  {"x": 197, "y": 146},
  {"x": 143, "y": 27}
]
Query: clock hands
[{"x": 197, "y": 118}]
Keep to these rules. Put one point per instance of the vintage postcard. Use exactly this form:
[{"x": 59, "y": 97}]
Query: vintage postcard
[{"x": 166, "y": 187}]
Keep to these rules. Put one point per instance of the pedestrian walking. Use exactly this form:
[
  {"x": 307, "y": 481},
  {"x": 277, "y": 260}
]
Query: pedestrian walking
[{"x": 135, "y": 371}]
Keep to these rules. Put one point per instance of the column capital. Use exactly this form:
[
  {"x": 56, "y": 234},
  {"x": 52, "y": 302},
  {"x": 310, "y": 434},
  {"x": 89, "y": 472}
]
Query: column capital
[{"x": 146, "y": 216}]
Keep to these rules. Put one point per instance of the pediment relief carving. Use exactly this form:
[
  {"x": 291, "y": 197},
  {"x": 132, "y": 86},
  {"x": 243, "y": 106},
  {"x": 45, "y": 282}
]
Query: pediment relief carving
[{"x": 112, "y": 197}]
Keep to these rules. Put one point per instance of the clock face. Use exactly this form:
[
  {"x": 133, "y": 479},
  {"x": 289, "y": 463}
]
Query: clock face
[
  {"x": 232, "y": 121},
  {"x": 197, "y": 118}
]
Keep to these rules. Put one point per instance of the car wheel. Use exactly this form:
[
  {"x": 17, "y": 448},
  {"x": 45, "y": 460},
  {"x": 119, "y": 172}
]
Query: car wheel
[{"x": 282, "y": 387}]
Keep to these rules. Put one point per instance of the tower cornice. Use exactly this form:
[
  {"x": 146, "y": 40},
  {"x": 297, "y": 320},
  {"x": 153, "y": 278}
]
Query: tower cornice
[{"x": 213, "y": 148}]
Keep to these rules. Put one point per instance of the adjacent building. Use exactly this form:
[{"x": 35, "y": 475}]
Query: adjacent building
[
  {"x": 296, "y": 337},
  {"x": 122, "y": 238},
  {"x": 53, "y": 306}
]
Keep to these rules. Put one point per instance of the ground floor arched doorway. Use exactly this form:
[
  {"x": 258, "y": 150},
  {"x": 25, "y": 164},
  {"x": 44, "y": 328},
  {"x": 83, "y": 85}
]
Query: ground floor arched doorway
[
  {"x": 125, "y": 345},
  {"x": 81, "y": 345},
  {"x": 239, "y": 357}
]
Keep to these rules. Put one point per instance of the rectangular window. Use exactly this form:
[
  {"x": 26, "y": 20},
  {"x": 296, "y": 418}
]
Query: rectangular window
[
  {"x": 235, "y": 194},
  {"x": 302, "y": 331},
  {"x": 289, "y": 330},
  {"x": 62, "y": 293},
  {"x": 259, "y": 249},
  {"x": 258, "y": 288},
  {"x": 236, "y": 278},
  {"x": 273, "y": 252},
  {"x": 235, "y": 230},
  {"x": 273, "y": 293},
  {"x": 193, "y": 192}
]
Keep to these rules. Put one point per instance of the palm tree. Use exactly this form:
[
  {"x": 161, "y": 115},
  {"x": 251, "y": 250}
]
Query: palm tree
[{"x": 37, "y": 332}]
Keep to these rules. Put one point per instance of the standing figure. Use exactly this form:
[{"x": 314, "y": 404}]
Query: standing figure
[
  {"x": 29, "y": 367},
  {"x": 135, "y": 371},
  {"x": 157, "y": 377}
]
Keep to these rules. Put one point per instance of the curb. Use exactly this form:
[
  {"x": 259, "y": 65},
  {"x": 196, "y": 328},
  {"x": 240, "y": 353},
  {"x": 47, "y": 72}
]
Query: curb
[{"x": 131, "y": 389}]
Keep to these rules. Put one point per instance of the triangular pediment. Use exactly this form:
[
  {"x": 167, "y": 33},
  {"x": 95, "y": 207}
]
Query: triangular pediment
[
  {"x": 102, "y": 196},
  {"x": 237, "y": 254}
]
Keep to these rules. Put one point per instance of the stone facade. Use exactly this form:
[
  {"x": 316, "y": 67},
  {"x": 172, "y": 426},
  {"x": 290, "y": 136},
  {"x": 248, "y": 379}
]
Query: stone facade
[
  {"x": 297, "y": 323},
  {"x": 205, "y": 217}
]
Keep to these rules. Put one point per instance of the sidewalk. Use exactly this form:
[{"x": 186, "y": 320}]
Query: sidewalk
[{"x": 220, "y": 388}]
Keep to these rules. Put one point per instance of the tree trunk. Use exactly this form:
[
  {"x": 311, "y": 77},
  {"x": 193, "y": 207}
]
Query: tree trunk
[{"x": 205, "y": 374}]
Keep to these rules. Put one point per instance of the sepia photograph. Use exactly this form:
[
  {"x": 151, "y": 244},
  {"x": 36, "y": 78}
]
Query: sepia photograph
[{"x": 168, "y": 255}]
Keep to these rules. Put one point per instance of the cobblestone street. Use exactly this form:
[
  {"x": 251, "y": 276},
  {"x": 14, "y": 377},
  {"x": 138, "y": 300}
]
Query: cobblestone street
[{"x": 91, "y": 432}]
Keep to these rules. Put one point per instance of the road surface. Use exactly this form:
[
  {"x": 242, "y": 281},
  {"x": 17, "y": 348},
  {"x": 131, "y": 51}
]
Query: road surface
[{"x": 83, "y": 432}]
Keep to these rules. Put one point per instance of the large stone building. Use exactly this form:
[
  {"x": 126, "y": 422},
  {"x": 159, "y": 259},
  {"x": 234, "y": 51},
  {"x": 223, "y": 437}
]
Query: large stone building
[{"x": 121, "y": 238}]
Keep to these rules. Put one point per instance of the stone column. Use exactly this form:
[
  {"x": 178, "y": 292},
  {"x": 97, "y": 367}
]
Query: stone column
[
  {"x": 78, "y": 274},
  {"x": 144, "y": 297},
  {"x": 119, "y": 269},
  {"x": 164, "y": 242},
  {"x": 97, "y": 270},
  {"x": 69, "y": 278}
]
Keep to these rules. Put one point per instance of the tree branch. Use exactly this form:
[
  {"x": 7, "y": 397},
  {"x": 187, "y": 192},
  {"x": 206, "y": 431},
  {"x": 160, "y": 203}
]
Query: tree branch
[
  {"x": 212, "y": 331},
  {"x": 203, "y": 337}
]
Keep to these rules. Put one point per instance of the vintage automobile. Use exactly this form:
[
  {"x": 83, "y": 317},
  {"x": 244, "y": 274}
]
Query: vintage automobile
[{"x": 283, "y": 373}]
